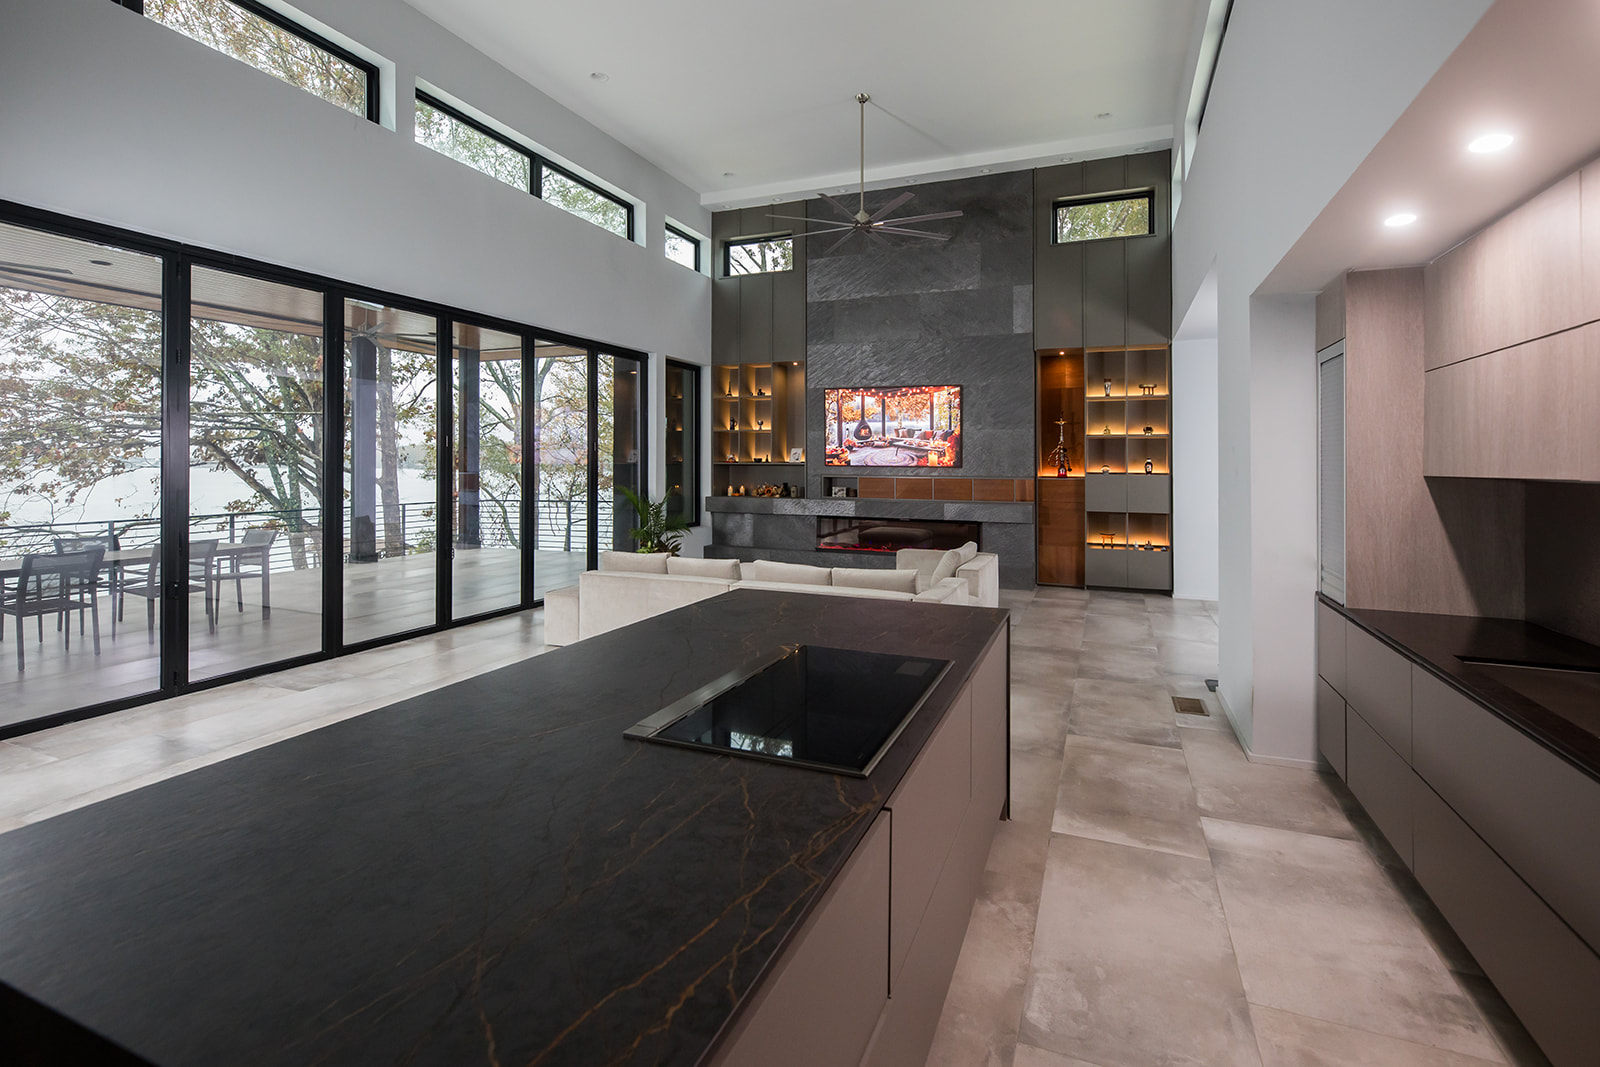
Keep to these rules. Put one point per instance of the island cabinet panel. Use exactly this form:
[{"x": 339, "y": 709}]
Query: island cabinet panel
[
  {"x": 1519, "y": 279},
  {"x": 1589, "y": 179},
  {"x": 1546, "y": 974},
  {"x": 1330, "y": 646},
  {"x": 824, "y": 996},
  {"x": 1533, "y": 808},
  {"x": 928, "y": 807},
  {"x": 1331, "y": 727},
  {"x": 991, "y": 734},
  {"x": 1524, "y": 412},
  {"x": 1382, "y": 780},
  {"x": 1378, "y": 687}
]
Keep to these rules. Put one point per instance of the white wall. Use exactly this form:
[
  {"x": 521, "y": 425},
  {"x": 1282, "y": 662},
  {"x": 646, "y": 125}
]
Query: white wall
[
  {"x": 1303, "y": 92},
  {"x": 1194, "y": 470},
  {"x": 109, "y": 116}
]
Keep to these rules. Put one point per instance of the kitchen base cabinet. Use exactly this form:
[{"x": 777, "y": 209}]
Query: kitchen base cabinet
[
  {"x": 1547, "y": 974},
  {"x": 1378, "y": 687},
  {"x": 1382, "y": 781},
  {"x": 1331, "y": 727}
]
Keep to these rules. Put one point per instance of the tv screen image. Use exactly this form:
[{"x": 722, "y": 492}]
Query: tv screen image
[{"x": 917, "y": 426}]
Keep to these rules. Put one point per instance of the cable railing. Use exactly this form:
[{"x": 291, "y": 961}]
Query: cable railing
[{"x": 402, "y": 529}]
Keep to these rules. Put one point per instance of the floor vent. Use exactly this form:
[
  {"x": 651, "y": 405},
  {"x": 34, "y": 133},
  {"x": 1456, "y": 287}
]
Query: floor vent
[{"x": 1190, "y": 706}]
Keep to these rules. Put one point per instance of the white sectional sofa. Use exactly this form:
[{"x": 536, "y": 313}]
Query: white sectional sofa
[{"x": 631, "y": 586}]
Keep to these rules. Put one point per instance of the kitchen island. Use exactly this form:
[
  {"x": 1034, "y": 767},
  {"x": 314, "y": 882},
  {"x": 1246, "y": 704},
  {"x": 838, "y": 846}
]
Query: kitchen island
[{"x": 492, "y": 873}]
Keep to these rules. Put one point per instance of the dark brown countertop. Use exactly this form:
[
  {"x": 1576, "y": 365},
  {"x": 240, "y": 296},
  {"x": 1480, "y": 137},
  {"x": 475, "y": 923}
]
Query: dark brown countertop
[
  {"x": 1565, "y": 717},
  {"x": 485, "y": 873}
]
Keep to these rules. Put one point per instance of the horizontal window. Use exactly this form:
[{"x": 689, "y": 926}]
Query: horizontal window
[
  {"x": 1096, "y": 218},
  {"x": 451, "y": 132},
  {"x": 465, "y": 142},
  {"x": 273, "y": 44},
  {"x": 573, "y": 194},
  {"x": 682, "y": 248},
  {"x": 759, "y": 255}
]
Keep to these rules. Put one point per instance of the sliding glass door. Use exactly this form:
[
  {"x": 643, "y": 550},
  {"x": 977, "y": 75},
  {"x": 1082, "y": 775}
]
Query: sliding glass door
[
  {"x": 559, "y": 389},
  {"x": 487, "y": 465},
  {"x": 391, "y": 521},
  {"x": 619, "y": 381}
]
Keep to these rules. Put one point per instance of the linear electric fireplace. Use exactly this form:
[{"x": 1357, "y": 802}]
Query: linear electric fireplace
[{"x": 891, "y": 535}]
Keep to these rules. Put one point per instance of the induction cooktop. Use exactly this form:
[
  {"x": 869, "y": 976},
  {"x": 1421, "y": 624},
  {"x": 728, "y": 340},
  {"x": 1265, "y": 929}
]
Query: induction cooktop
[{"x": 830, "y": 709}]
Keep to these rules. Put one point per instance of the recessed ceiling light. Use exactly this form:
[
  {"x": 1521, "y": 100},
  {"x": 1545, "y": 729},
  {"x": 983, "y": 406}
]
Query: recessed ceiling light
[
  {"x": 1103, "y": 115},
  {"x": 777, "y": 200},
  {"x": 985, "y": 170},
  {"x": 101, "y": 262},
  {"x": 1491, "y": 142},
  {"x": 1404, "y": 218},
  {"x": 600, "y": 76},
  {"x": 727, "y": 174}
]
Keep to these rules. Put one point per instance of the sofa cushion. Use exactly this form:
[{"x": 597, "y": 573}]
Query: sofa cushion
[
  {"x": 704, "y": 568},
  {"x": 968, "y": 551},
  {"x": 862, "y": 578},
  {"x": 825, "y": 590},
  {"x": 946, "y": 567},
  {"x": 763, "y": 570},
  {"x": 634, "y": 562}
]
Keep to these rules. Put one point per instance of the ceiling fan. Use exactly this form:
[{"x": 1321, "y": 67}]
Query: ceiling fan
[{"x": 875, "y": 225}]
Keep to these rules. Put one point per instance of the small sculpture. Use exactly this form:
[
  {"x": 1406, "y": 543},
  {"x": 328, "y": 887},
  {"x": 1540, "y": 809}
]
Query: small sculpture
[
  {"x": 1105, "y": 468},
  {"x": 1149, "y": 468},
  {"x": 1149, "y": 431},
  {"x": 1059, "y": 453},
  {"x": 1108, "y": 387}
]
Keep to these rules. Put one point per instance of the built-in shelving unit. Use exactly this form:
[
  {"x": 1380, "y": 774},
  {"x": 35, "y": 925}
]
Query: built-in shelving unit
[
  {"x": 1128, "y": 460},
  {"x": 1060, "y": 419},
  {"x": 758, "y": 426}
]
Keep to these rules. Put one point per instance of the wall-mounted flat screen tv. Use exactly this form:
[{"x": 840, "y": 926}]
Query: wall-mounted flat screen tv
[{"x": 917, "y": 426}]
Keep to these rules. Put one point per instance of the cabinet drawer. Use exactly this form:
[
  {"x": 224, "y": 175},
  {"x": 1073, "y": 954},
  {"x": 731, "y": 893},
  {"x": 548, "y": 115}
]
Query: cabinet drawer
[
  {"x": 1105, "y": 492},
  {"x": 1547, "y": 975},
  {"x": 1378, "y": 686},
  {"x": 1149, "y": 570},
  {"x": 1330, "y": 646},
  {"x": 991, "y": 733},
  {"x": 1150, "y": 493},
  {"x": 1382, "y": 781},
  {"x": 1537, "y": 811},
  {"x": 1330, "y": 727},
  {"x": 1106, "y": 566},
  {"x": 928, "y": 808}
]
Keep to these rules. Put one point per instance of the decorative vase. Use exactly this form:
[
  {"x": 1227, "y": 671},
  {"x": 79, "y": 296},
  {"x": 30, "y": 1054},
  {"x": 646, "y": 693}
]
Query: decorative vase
[
  {"x": 1105, "y": 468},
  {"x": 1108, "y": 387},
  {"x": 1149, "y": 431},
  {"x": 1149, "y": 467}
]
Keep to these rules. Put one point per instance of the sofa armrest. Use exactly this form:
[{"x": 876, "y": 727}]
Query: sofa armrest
[{"x": 982, "y": 575}]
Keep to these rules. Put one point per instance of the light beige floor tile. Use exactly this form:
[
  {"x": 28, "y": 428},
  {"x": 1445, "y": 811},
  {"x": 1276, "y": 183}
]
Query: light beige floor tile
[
  {"x": 1118, "y": 631},
  {"x": 1126, "y": 711},
  {"x": 1229, "y": 786},
  {"x": 1128, "y": 605},
  {"x": 1193, "y": 658},
  {"x": 1117, "y": 664},
  {"x": 1183, "y": 627},
  {"x": 1319, "y": 931},
  {"x": 1042, "y": 668},
  {"x": 20, "y": 757},
  {"x": 1052, "y": 637},
  {"x": 1039, "y": 720},
  {"x": 1128, "y": 794},
  {"x": 1289, "y": 1040},
  {"x": 25, "y": 791},
  {"x": 1029, "y": 1056},
  {"x": 1131, "y": 962},
  {"x": 1171, "y": 605}
]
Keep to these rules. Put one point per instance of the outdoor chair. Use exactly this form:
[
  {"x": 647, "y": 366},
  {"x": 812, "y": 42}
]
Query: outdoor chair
[
  {"x": 84, "y": 544},
  {"x": 252, "y": 565},
  {"x": 54, "y": 585},
  {"x": 202, "y": 577}
]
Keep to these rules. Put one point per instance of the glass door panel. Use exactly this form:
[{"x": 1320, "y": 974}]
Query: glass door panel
[
  {"x": 486, "y": 565},
  {"x": 80, "y": 471},
  {"x": 559, "y": 390},
  {"x": 390, "y": 471},
  {"x": 683, "y": 441},
  {"x": 255, "y": 472},
  {"x": 620, "y": 380}
]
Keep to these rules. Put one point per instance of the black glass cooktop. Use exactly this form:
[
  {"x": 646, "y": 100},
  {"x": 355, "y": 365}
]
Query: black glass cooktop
[{"x": 832, "y": 709}]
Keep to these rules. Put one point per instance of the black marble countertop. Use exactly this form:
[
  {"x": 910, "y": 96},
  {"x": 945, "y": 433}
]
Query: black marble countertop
[
  {"x": 488, "y": 873},
  {"x": 1565, "y": 717}
]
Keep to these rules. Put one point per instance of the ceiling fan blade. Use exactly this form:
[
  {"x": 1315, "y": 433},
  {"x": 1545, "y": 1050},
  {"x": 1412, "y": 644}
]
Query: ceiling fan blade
[
  {"x": 27, "y": 267},
  {"x": 920, "y": 218},
  {"x": 877, "y": 238},
  {"x": 793, "y": 218},
  {"x": 891, "y": 205},
  {"x": 911, "y": 233},
  {"x": 846, "y": 212},
  {"x": 826, "y": 229},
  {"x": 840, "y": 242}
]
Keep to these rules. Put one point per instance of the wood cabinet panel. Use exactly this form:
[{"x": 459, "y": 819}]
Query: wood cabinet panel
[
  {"x": 1382, "y": 780},
  {"x": 1378, "y": 687},
  {"x": 1541, "y": 814},
  {"x": 1330, "y": 646},
  {"x": 1105, "y": 294},
  {"x": 928, "y": 806},
  {"x": 1519, "y": 279},
  {"x": 1105, "y": 566},
  {"x": 1525, "y": 412},
  {"x": 991, "y": 731},
  {"x": 1589, "y": 205},
  {"x": 1150, "y": 494},
  {"x": 1547, "y": 975},
  {"x": 836, "y": 969},
  {"x": 1330, "y": 314},
  {"x": 1061, "y": 531},
  {"x": 1331, "y": 727},
  {"x": 1105, "y": 492},
  {"x": 755, "y": 318},
  {"x": 1149, "y": 570}
]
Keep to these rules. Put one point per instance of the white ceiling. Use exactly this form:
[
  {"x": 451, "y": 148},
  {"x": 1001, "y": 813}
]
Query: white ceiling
[
  {"x": 746, "y": 101},
  {"x": 1528, "y": 68}
]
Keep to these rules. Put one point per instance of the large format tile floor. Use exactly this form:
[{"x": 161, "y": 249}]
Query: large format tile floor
[{"x": 1156, "y": 900}]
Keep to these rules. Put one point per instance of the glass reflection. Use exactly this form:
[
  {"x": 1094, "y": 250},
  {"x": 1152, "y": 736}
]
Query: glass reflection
[{"x": 486, "y": 565}]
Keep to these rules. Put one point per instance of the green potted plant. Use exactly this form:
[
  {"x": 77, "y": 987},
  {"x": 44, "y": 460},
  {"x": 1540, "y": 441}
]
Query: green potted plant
[{"x": 657, "y": 531}]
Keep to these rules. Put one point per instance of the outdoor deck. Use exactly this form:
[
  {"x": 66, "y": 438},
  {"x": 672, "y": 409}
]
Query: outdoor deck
[{"x": 389, "y": 596}]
